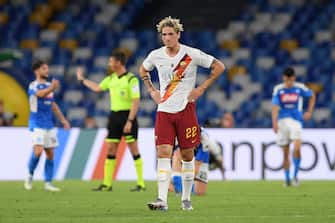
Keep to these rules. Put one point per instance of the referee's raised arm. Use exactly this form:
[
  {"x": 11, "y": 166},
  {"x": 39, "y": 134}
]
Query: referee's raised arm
[{"x": 88, "y": 83}]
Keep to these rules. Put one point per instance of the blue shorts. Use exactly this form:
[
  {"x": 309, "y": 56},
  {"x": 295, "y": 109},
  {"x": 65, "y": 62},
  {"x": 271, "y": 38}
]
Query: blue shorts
[{"x": 202, "y": 155}]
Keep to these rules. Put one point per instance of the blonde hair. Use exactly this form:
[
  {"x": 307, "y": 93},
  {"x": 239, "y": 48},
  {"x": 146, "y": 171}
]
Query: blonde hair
[{"x": 170, "y": 22}]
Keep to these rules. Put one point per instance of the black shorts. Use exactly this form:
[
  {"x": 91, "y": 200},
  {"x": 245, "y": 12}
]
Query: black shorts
[{"x": 116, "y": 122}]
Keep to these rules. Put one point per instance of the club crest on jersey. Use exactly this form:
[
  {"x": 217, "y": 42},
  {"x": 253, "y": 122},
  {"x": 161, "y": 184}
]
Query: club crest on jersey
[
  {"x": 50, "y": 95},
  {"x": 289, "y": 98}
]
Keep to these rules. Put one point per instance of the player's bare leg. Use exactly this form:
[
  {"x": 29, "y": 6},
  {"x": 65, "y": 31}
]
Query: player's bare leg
[
  {"x": 187, "y": 173},
  {"x": 286, "y": 165},
  {"x": 200, "y": 187},
  {"x": 296, "y": 161}
]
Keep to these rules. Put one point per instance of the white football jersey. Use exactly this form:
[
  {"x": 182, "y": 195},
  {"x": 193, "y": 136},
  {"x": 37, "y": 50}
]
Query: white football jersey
[{"x": 176, "y": 74}]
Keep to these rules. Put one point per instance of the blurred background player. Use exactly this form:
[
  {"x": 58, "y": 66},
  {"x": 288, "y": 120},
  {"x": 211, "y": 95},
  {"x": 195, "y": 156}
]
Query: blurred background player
[
  {"x": 227, "y": 120},
  {"x": 208, "y": 156},
  {"x": 90, "y": 123},
  {"x": 6, "y": 118},
  {"x": 215, "y": 150},
  {"x": 288, "y": 117},
  {"x": 42, "y": 105},
  {"x": 176, "y": 114},
  {"x": 124, "y": 92}
]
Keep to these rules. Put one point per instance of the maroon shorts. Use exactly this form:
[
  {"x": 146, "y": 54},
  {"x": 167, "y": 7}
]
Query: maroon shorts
[{"x": 183, "y": 125}]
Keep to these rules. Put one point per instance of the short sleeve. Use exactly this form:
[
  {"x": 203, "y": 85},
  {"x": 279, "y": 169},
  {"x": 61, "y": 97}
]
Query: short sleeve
[
  {"x": 275, "y": 99},
  {"x": 203, "y": 59},
  {"x": 32, "y": 91},
  {"x": 134, "y": 86},
  {"x": 306, "y": 92},
  {"x": 104, "y": 84},
  {"x": 148, "y": 62}
]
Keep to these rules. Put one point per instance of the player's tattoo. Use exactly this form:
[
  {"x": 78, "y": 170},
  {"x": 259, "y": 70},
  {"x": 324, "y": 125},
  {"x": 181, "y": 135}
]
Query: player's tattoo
[
  {"x": 148, "y": 84},
  {"x": 214, "y": 63}
]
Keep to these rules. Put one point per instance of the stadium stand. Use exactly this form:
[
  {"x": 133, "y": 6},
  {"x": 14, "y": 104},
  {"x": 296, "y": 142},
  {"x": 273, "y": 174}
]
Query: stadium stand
[{"x": 256, "y": 45}]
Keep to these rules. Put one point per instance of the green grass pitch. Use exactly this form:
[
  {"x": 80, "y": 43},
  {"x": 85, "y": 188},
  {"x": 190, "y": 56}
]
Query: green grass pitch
[{"x": 231, "y": 201}]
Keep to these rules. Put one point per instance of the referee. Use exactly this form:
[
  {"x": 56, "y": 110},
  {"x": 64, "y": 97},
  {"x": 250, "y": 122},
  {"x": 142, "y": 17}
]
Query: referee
[{"x": 124, "y": 92}]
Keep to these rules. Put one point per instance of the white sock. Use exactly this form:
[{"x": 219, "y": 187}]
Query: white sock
[
  {"x": 163, "y": 175},
  {"x": 187, "y": 175}
]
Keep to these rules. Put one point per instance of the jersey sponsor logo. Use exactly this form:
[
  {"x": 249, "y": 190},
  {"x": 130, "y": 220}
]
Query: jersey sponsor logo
[
  {"x": 289, "y": 98},
  {"x": 178, "y": 75},
  {"x": 289, "y": 106}
]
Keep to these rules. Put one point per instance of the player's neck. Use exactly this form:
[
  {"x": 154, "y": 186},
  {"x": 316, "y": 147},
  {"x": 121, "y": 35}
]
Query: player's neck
[
  {"x": 288, "y": 86},
  {"x": 120, "y": 71},
  {"x": 173, "y": 51},
  {"x": 41, "y": 80}
]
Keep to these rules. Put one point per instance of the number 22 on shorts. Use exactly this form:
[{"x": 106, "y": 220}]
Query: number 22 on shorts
[{"x": 191, "y": 132}]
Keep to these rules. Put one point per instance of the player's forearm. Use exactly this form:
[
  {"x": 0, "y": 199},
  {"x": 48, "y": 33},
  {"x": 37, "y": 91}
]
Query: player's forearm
[
  {"x": 45, "y": 92},
  {"x": 311, "y": 103},
  {"x": 91, "y": 85},
  {"x": 145, "y": 76},
  {"x": 58, "y": 112},
  {"x": 275, "y": 111},
  {"x": 143, "y": 73},
  {"x": 217, "y": 69},
  {"x": 149, "y": 85},
  {"x": 134, "y": 109}
]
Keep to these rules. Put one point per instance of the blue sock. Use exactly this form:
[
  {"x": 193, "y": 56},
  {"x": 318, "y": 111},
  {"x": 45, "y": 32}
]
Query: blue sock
[
  {"x": 296, "y": 162},
  {"x": 193, "y": 189},
  {"x": 177, "y": 183},
  {"x": 287, "y": 176},
  {"x": 33, "y": 163},
  {"x": 48, "y": 170}
]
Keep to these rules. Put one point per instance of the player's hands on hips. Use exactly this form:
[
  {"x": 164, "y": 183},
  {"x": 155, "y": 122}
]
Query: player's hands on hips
[
  {"x": 54, "y": 84},
  {"x": 195, "y": 94},
  {"x": 80, "y": 75},
  {"x": 156, "y": 96},
  {"x": 307, "y": 116},
  {"x": 275, "y": 127},
  {"x": 66, "y": 124},
  {"x": 127, "y": 127}
]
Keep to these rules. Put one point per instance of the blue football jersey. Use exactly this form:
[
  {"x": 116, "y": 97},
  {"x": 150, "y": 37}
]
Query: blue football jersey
[
  {"x": 41, "y": 115},
  {"x": 290, "y": 100}
]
